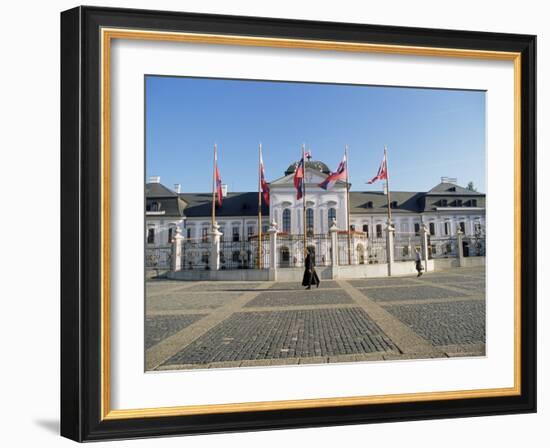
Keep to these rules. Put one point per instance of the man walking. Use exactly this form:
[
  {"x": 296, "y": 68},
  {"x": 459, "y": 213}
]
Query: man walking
[
  {"x": 418, "y": 260},
  {"x": 310, "y": 275}
]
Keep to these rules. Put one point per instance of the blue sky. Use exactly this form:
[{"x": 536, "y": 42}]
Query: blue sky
[{"x": 429, "y": 132}]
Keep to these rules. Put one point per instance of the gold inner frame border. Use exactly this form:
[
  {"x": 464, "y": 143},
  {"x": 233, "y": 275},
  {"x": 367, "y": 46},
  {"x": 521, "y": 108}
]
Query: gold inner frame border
[{"x": 107, "y": 35}]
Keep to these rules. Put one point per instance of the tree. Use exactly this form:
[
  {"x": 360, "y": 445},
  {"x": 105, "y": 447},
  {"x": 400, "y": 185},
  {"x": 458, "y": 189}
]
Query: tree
[{"x": 471, "y": 187}]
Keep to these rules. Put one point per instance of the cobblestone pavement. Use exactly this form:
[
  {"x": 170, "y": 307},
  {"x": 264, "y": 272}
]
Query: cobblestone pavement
[{"x": 230, "y": 324}]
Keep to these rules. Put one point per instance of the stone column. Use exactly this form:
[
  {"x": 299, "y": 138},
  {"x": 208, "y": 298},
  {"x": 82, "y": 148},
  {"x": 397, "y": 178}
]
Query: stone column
[
  {"x": 459, "y": 248},
  {"x": 273, "y": 259},
  {"x": 177, "y": 243},
  {"x": 215, "y": 234},
  {"x": 425, "y": 255},
  {"x": 390, "y": 232},
  {"x": 334, "y": 244}
]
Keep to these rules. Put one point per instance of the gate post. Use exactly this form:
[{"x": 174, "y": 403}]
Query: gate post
[
  {"x": 424, "y": 234},
  {"x": 334, "y": 248},
  {"x": 459, "y": 248},
  {"x": 176, "y": 252},
  {"x": 389, "y": 247},
  {"x": 214, "y": 261},
  {"x": 273, "y": 251}
]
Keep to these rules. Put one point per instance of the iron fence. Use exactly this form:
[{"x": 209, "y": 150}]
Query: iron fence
[
  {"x": 442, "y": 247},
  {"x": 405, "y": 245},
  {"x": 376, "y": 250},
  {"x": 290, "y": 249},
  {"x": 244, "y": 254},
  {"x": 352, "y": 249},
  {"x": 196, "y": 253},
  {"x": 158, "y": 257},
  {"x": 473, "y": 246}
]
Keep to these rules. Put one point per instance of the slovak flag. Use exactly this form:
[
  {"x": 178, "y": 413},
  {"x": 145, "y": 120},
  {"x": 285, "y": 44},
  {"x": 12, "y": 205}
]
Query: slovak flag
[
  {"x": 219, "y": 193},
  {"x": 299, "y": 179},
  {"x": 340, "y": 174},
  {"x": 263, "y": 182},
  {"x": 382, "y": 172}
]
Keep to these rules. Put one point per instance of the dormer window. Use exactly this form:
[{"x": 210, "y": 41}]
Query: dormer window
[
  {"x": 153, "y": 207},
  {"x": 393, "y": 204},
  {"x": 443, "y": 202},
  {"x": 369, "y": 204},
  {"x": 452, "y": 189},
  {"x": 459, "y": 202},
  {"x": 474, "y": 202}
]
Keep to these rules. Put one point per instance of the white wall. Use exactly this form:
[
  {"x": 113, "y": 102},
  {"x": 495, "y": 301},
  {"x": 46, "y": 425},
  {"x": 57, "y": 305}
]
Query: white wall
[{"x": 30, "y": 162}]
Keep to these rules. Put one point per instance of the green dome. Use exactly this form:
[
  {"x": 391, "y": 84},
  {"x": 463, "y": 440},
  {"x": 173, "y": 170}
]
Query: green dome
[{"x": 312, "y": 164}]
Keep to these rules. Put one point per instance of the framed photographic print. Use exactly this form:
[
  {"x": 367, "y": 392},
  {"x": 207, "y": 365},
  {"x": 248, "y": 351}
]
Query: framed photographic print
[{"x": 273, "y": 223}]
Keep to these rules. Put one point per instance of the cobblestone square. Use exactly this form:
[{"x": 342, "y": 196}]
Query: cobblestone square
[
  {"x": 237, "y": 324},
  {"x": 313, "y": 297}
]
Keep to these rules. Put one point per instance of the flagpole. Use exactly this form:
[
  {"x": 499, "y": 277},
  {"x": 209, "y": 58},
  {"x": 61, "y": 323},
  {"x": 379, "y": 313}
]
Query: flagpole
[
  {"x": 388, "y": 184},
  {"x": 260, "y": 206},
  {"x": 214, "y": 186},
  {"x": 347, "y": 205},
  {"x": 304, "y": 198}
]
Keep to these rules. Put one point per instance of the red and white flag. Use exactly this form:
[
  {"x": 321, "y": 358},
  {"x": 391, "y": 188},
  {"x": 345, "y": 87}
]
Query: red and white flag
[
  {"x": 382, "y": 171},
  {"x": 263, "y": 183},
  {"x": 299, "y": 179},
  {"x": 340, "y": 174}
]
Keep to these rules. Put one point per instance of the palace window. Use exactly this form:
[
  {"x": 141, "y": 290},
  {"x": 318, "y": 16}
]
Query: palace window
[
  {"x": 432, "y": 228},
  {"x": 447, "y": 228},
  {"x": 462, "y": 226},
  {"x": 366, "y": 229},
  {"x": 189, "y": 233},
  {"x": 249, "y": 232},
  {"x": 204, "y": 234},
  {"x": 265, "y": 228},
  {"x": 235, "y": 234},
  {"x": 416, "y": 228},
  {"x": 309, "y": 220},
  {"x": 286, "y": 220},
  {"x": 150, "y": 236},
  {"x": 331, "y": 216},
  {"x": 170, "y": 234},
  {"x": 378, "y": 230}
]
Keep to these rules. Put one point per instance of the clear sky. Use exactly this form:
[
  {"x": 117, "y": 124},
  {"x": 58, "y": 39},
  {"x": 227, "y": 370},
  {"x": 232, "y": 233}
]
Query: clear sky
[{"x": 429, "y": 132}]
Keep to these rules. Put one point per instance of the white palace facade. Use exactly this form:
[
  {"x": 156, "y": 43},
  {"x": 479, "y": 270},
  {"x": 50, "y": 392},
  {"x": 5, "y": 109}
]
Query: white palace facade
[{"x": 443, "y": 210}]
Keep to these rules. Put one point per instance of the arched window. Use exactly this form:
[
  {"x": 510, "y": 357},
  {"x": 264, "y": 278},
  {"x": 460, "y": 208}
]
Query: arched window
[
  {"x": 309, "y": 220},
  {"x": 331, "y": 215},
  {"x": 286, "y": 220}
]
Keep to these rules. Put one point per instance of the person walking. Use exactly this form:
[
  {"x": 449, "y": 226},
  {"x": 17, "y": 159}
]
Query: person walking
[
  {"x": 418, "y": 261},
  {"x": 310, "y": 274}
]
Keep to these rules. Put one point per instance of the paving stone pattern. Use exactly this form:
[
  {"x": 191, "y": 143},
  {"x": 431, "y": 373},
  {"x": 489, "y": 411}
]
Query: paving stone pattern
[
  {"x": 226, "y": 324},
  {"x": 420, "y": 292},
  {"x": 158, "y": 328},
  {"x": 310, "y": 297},
  {"x": 446, "y": 323},
  {"x": 287, "y": 334},
  {"x": 189, "y": 300}
]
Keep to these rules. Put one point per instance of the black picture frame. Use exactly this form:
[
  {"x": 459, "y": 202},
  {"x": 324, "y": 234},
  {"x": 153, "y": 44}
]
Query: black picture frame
[{"x": 81, "y": 212}]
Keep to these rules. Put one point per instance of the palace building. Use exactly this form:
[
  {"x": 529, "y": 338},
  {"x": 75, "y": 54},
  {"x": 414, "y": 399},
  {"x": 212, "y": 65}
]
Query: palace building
[{"x": 443, "y": 210}]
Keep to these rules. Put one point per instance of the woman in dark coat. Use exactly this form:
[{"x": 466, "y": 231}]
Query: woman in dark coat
[{"x": 310, "y": 275}]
